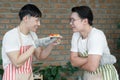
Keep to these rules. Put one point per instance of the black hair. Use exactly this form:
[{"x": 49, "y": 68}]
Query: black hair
[
  {"x": 84, "y": 12},
  {"x": 29, "y": 9}
]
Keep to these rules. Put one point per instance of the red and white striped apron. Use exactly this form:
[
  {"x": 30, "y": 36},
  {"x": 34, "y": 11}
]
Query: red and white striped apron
[
  {"x": 11, "y": 71},
  {"x": 22, "y": 73}
]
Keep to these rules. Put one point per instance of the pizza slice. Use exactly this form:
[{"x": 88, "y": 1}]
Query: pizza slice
[{"x": 55, "y": 35}]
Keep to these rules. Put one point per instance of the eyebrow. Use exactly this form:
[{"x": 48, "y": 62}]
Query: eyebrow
[{"x": 71, "y": 18}]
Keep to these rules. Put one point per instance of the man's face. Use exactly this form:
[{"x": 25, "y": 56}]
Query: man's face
[
  {"x": 76, "y": 23},
  {"x": 33, "y": 23}
]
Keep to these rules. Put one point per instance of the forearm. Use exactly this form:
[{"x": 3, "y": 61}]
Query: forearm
[
  {"x": 46, "y": 52},
  {"x": 92, "y": 63},
  {"x": 78, "y": 61},
  {"x": 82, "y": 63},
  {"x": 88, "y": 67},
  {"x": 22, "y": 58}
]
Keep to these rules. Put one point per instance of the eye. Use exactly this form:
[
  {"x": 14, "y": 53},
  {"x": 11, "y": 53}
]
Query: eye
[
  {"x": 38, "y": 19},
  {"x": 72, "y": 20}
]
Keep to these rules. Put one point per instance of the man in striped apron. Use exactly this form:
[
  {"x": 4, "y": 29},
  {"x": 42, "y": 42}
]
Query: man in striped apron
[
  {"x": 89, "y": 46},
  {"x": 18, "y": 45}
]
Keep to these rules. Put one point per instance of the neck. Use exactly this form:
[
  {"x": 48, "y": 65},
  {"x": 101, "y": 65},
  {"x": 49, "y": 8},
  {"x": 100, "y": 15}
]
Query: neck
[
  {"x": 23, "y": 29},
  {"x": 86, "y": 32}
]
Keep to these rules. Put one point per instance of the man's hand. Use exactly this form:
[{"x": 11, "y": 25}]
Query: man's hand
[
  {"x": 43, "y": 41},
  {"x": 46, "y": 41},
  {"x": 58, "y": 41}
]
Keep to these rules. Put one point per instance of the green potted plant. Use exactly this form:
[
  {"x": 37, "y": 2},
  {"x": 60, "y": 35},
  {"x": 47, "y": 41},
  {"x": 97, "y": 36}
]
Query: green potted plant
[
  {"x": 36, "y": 69},
  {"x": 56, "y": 72},
  {"x": 52, "y": 73}
]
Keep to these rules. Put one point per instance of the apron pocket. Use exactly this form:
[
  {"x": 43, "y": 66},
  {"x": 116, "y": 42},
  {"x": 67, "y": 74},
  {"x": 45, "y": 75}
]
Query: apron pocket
[{"x": 23, "y": 76}]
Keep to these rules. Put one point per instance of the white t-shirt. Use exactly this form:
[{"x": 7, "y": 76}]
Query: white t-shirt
[
  {"x": 95, "y": 43},
  {"x": 11, "y": 42}
]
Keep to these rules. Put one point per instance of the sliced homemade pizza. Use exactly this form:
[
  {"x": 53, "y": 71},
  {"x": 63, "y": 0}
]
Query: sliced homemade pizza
[{"x": 55, "y": 35}]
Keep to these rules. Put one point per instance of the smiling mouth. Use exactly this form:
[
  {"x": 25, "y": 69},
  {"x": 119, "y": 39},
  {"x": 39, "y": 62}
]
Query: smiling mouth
[
  {"x": 36, "y": 27},
  {"x": 73, "y": 27}
]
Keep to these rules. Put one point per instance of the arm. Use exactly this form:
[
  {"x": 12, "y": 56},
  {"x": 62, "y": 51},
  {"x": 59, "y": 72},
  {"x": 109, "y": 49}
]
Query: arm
[
  {"x": 76, "y": 60},
  {"x": 51, "y": 42},
  {"x": 19, "y": 60},
  {"x": 92, "y": 63},
  {"x": 43, "y": 41},
  {"x": 43, "y": 54},
  {"x": 96, "y": 45}
]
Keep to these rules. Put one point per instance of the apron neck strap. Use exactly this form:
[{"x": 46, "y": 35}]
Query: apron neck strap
[{"x": 20, "y": 39}]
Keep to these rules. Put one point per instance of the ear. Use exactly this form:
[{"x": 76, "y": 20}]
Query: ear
[
  {"x": 25, "y": 18},
  {"x": 85, "y": 21}
]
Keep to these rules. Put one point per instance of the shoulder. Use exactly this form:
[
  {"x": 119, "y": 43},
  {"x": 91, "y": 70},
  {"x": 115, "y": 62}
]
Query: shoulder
[
  {"x": 11, "y": 33},
  {"x": 97, "y": 33}
]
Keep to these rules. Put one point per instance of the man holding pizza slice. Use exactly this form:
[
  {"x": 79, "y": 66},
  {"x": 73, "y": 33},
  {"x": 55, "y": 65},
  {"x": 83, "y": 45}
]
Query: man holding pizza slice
[{"x": 21, "y": 43}]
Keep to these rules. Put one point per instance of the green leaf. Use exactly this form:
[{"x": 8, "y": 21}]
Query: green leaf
[
  {"x": 118, "y": 43},
  {"x": 118, "y": 25},
  {"x": 50, "y": 78},
  {"x": 1, "y": 71},
  {"x": 58, "y": 76},
  {"x": 54, "y": 71},
  {"x": 0, "y": 61},
  {"x": 63, "y": 78}
]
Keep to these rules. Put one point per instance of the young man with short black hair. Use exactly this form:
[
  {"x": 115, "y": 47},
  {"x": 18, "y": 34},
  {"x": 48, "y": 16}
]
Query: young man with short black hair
[{"x": 21, "y": 43}]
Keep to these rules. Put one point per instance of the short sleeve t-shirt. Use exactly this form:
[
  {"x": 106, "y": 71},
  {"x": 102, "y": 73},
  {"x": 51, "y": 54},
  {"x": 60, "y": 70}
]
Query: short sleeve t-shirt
[
  {"x": 11, "y": 42},
  {"x": 95, "y": 43}
]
